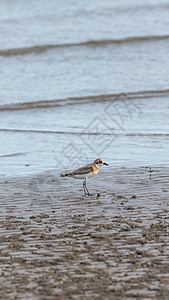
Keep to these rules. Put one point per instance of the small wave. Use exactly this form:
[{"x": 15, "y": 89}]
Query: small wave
[
  {"x": 50, "y": 132},
  {"x": 12, "y": 154},
  {"x": 92, "y": 43},
  {"x": 138, "y": 134},
  {"x": 83, "y": 100}
]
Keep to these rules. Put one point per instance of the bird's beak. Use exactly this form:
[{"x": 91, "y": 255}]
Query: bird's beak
[{"x": 105, "y": 164}]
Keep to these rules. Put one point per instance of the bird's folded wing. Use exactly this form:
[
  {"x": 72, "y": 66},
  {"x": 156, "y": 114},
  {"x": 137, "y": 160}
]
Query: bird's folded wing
[{"x": 83, "y": 170}]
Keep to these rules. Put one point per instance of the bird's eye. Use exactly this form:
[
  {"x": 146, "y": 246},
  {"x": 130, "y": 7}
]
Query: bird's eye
[{"x": 100, "y": 162}]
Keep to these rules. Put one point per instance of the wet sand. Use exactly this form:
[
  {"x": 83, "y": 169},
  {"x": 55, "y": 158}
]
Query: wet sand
[{"x": 57, "y": 243}]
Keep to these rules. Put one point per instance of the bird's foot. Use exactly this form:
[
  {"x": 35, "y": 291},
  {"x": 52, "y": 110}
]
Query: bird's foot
[{"x": 90, "y": 194}]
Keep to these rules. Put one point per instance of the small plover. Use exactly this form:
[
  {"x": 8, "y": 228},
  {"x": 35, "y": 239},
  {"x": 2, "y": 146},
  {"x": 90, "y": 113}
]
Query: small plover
[{"x": 86, "y": 172}]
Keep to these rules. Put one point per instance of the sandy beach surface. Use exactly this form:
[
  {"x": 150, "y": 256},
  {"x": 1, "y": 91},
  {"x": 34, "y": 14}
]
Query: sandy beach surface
[{"x": 57, "y": 243}]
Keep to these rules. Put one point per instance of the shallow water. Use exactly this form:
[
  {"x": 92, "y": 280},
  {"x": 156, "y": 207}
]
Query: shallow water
[
  {"x": 83, "y": 80},
  {"x": 38, "y": 23},
  {"x": 124, "y": 132},
  {"x": 85, "y": 71}
]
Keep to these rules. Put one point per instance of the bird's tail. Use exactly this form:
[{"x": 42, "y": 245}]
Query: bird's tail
[{"x": 64, "y": 175}]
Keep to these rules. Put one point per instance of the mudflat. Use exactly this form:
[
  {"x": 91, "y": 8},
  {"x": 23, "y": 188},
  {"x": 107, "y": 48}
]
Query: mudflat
[{"x": 56, "y": 243}]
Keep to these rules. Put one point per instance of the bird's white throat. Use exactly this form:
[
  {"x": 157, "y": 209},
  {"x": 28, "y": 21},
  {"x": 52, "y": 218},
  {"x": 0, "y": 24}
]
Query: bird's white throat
[{"x": 98, "y": 165}]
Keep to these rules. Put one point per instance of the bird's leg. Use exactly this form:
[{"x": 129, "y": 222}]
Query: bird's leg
[
  {"x": 84, "y": 186},
  {"x": 86, "y": 189}
]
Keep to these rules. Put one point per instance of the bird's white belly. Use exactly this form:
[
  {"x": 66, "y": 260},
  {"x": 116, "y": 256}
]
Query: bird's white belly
[
  {"x": 91, "y": 174},
  {"x": 79, "y": 176},
  {"x": 83, "y": 176}
]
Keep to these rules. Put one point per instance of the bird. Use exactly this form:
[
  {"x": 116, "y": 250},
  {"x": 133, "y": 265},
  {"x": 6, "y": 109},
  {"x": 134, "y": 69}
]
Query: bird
[{"x": 86, "y": 172}]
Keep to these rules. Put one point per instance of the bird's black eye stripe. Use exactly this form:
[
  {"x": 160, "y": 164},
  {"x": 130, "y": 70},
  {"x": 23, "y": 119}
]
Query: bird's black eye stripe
[{"x": 100, "y": 162}]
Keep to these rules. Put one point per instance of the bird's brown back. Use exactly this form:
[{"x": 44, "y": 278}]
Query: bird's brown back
[{"x": 83, "y": 170}]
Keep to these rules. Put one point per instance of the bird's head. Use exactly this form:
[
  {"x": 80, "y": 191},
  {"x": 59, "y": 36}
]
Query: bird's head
[{"x": 99, "y": 162}]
